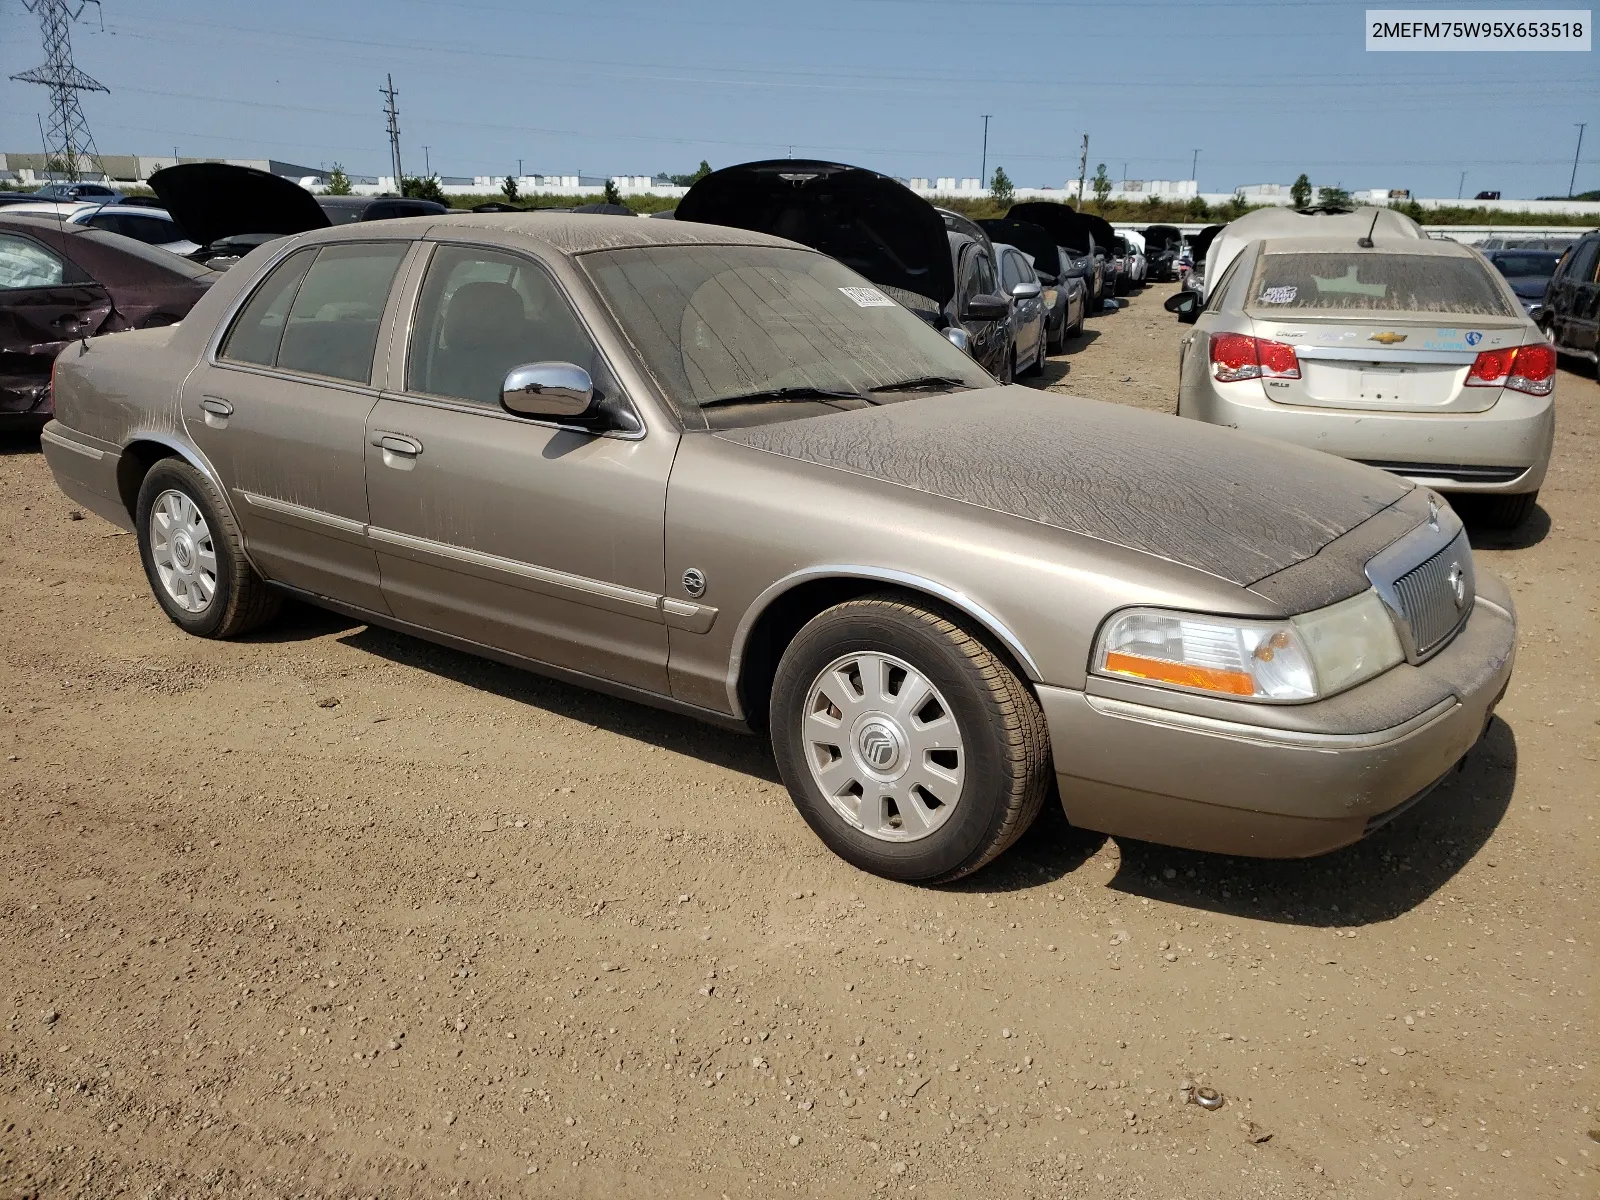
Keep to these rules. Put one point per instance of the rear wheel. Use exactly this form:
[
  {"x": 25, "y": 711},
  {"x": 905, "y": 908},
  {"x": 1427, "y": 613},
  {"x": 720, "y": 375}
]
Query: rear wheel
[
  {"x": 908, "y": 746},
  {"x": 193, "y": 555},
  {"x": 1496, "y": 512}
]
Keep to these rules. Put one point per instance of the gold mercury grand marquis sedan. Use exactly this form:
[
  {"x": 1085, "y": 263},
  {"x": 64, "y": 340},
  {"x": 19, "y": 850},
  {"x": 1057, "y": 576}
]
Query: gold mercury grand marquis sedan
[{"x": 721, "y": 473}]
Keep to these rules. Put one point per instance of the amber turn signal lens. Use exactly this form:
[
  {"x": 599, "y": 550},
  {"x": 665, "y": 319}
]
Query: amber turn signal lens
[{"x": 1233, "y": 683}]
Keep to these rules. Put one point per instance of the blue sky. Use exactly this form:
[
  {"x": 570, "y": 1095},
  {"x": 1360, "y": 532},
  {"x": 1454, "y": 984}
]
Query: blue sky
[{"x": 1264, "y": 90}]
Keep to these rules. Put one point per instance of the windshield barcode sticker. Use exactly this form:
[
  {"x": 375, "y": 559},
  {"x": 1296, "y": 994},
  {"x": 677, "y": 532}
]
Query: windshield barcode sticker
[
  {"x": 868, "y": 297},
  {"x": 1279, "y": 295}
]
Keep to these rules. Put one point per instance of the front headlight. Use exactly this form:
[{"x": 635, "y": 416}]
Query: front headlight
[{"x": 1301, "y": 658}]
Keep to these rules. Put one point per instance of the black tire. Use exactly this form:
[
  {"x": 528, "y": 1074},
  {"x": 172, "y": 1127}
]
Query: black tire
[
  {"x": 241, "y": 600},
  {"x": 1007, "y": 771},
  {"x": 1496, "y": 512}
]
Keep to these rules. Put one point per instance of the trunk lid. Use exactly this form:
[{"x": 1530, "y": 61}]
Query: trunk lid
[
  {"x": 1406, "y": 365},
  {"x": 1238, "y": 507},
  {"x": 212, "y": 201}
]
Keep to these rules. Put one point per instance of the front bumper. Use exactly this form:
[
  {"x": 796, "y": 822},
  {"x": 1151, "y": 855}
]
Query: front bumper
[
  {"x": 1515, "y": 434},
  {"x": 1237, "y": 787}
]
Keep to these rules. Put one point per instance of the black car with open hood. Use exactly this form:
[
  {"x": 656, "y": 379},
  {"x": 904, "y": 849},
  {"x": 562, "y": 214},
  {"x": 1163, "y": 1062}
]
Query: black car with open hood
[
  {"x": 1162, "y": 244},
  {"x": 875, "y": 225},
  {"x": 229, "y": 210},
  {"x": 1078, "y": 235}
]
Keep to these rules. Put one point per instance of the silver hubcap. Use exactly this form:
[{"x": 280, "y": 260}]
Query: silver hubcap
[
  {"x": 181, "y": 548},
  {"x": 883, "y": 746}
]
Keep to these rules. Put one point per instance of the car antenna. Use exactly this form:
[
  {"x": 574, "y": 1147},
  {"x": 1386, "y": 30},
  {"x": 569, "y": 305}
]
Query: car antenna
[{"x": 1366, "y": 242}]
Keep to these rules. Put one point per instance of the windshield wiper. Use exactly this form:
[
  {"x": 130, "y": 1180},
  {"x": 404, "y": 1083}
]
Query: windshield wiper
[
  {"x": 924, "y": 382},
  {"x": 783, "y": 394}
]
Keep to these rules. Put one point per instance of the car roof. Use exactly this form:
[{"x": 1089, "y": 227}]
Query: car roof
[
  {"x": 1423, "y": 247},
  {"x": 561, "y": 233}
]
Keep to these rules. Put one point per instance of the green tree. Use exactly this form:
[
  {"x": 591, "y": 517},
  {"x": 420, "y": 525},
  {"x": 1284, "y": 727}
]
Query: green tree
[
  {"x": 1001, "y": 189},
  {"x": 1300, "y": 191},
  {"x": 612, "y": 196},
  {"x": 508, "y": 189},
  {"x": 338, "y": 181},
  {"x": 1102, "y": 187},
  {"x": 692, "y": 179},
  {"x": 1335, "y": 197},
  {"x": 1197, "y": 209},
  {"x": 423, "y": 188}
]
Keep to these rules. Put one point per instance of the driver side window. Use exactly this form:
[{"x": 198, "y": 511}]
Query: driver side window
[{"x": 483, "y": 312}]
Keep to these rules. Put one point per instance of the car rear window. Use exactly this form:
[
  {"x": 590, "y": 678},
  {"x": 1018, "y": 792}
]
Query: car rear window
[
  {"x": 1523, "y": 264},
  {"x": 1365, "y": 281}
]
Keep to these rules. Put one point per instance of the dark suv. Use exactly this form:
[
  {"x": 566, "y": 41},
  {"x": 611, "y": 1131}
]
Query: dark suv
[{"x": 1571, "y": 313}]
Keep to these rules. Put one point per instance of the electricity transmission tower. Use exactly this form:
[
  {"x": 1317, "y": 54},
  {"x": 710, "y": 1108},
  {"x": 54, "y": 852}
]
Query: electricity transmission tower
[{"x": 68, "y": 142}]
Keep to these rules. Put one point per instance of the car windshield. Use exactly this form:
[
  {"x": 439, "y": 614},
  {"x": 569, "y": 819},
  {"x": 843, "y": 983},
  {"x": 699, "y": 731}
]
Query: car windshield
[
  {"x": 715, "y": 323},
  {"x": 1524, "y": 264},
  {"x": 1340, "y": 281}
]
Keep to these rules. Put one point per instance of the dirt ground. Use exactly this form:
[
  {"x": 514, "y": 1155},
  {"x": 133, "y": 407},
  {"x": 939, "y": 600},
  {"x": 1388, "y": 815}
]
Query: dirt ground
[{"x": 332, "y": 912}]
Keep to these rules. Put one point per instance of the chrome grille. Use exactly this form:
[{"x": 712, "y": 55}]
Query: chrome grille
[{"x": 1436, "y": 597}]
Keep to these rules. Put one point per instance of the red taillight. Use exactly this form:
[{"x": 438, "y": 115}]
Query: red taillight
[
  {"x": 1236, "y": 356},
  {"x": 1530, "y": 369},
  {"x": 1534, "y": 371}
]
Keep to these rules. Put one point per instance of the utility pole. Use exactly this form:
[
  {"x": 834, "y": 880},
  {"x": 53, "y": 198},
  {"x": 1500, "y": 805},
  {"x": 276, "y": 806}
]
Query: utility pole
[
  {"x": 1123, "y": 181},
  {"x": 427, "y": 163},
  {"x": 519, "y": 168},
  {"x": 983, "y": 171},
  {"x": 1083, "y": 167},
  {"x": 1193, "y": 165},
  {"x": 393, "y": 114},
  {"x": 1573, "y": 182},
  {"x": 1462, "y": 186},
  {"x": 69, "y": 140}
]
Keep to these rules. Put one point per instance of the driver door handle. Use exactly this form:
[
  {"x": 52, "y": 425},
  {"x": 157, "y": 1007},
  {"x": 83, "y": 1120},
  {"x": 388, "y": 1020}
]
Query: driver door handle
[
  {"x": 397, "y": 443},
  {"x": 217, "y": 405}
]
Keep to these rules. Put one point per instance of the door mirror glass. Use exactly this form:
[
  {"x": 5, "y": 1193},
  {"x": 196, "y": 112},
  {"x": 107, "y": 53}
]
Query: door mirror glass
[
  {"x": 1185, "y": 304},
  {"x": 984, "y": 307},
  {"x": 547, "y": 389}
]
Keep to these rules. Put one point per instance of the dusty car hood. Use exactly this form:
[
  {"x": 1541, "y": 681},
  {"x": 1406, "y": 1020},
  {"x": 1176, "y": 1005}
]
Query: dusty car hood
[
  {"x": 212, "y": 201},
  {"x": 873, "y": 224},
  {"x": 1238, "y": 507}
]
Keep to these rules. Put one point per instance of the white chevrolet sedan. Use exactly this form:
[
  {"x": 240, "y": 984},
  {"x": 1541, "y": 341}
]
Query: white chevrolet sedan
[{"x": 1401, "y": 352}]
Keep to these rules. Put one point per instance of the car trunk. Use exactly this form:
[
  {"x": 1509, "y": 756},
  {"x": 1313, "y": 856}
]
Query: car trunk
[{"x": 1409, "y": 365}]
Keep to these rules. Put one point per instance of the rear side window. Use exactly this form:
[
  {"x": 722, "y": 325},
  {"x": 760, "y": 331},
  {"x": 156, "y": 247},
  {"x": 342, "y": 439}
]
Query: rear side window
[
  {"x": 332, "y": 329},
  {"x": 1351, "y": 281},
  {"x": 24, "y": 263},
  {"x": 1582, "y": 267},
  {"x": 258, "y": 329},
  {"x": 1010, "y": 271}
]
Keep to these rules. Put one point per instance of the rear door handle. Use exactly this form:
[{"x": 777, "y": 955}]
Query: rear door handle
[{"x": 216, "y": 411}]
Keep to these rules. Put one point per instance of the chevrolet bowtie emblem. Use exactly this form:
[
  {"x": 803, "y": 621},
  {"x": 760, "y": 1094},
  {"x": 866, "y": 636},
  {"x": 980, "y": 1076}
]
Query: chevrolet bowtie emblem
[{"x": 1388, "y": 339}]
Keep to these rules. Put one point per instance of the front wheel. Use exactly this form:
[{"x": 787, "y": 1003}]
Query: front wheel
[
  {"x": 908, "y": 746},
  {"x": 1496, "y": 512},
  {"x": 193, "y": 555}
]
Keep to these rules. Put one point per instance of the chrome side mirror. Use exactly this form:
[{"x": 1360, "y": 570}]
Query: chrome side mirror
[
  {"x": 959, "y": 338},
  {"x": 547, "y": 389},
  {"x": 1027, "y": 290}
]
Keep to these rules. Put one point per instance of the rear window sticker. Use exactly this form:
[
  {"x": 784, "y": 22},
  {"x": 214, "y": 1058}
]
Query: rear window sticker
[
  {"x": 1474, "y": 337},
  {"x": 868, "y": 297},
  {"x": 1279, "y": 295}
]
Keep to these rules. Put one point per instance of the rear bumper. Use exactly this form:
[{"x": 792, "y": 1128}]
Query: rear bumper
[
  {"x": 85, "y": 470},
  {"x": 1234, "y": 787},
  {"x": 1515, "y": 435}
]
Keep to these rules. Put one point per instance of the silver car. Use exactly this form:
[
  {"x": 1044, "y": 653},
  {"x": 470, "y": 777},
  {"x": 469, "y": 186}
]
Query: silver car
[
  {"x": 1408, "y": 354},
  {"x": 1028, "y": 313}
]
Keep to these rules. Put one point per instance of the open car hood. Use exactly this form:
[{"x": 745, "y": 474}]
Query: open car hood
[
  {"x": 873, "y": 224},
  {"x": 1236, "y": 506},
  {"x": 212, "y": 201},
  {"x": 1069, "y": 227},
  {"x": 1031, "y": 239}
]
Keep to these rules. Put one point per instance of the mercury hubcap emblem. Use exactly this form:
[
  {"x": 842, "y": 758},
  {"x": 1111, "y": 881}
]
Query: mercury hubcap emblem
[{"x": 880, "y": 749}]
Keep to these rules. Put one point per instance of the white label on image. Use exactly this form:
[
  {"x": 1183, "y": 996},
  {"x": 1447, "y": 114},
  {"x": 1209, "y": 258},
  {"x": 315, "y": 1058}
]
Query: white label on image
[
  {"x": 1279, "y": 295},
  {"x": 868, "y": 297},
  {"x": 1478, "y": 29}
]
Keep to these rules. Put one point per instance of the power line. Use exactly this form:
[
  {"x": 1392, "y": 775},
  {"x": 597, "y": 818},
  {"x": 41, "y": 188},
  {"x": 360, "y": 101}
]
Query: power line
[
  {"x": 68, "y": 141},
  {"x": 393, "y": 115}
]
